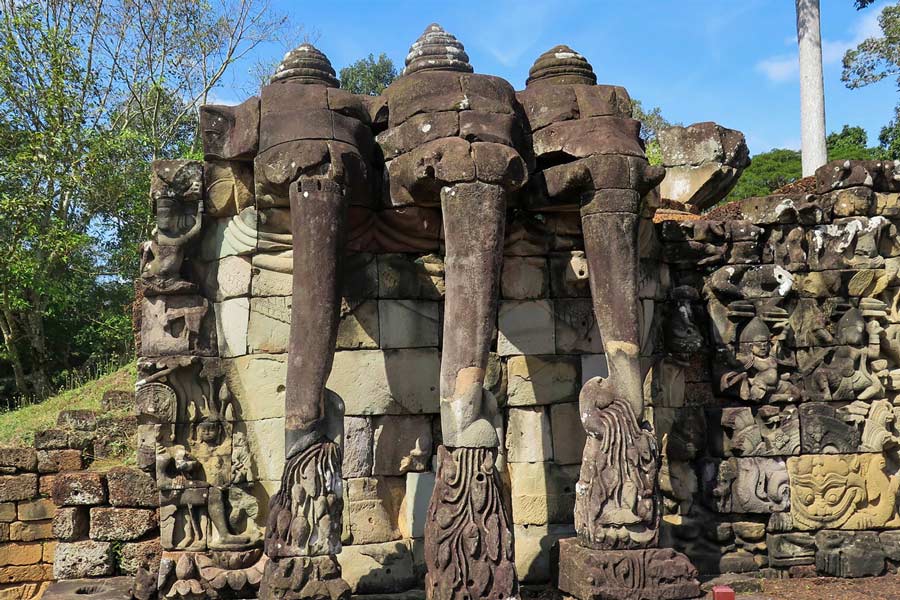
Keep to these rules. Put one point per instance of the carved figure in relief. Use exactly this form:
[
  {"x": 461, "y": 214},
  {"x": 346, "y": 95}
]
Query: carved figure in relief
[
  {"x": 846, "y": 375},
  {"x": 838, "y": 492},
  {"x": 758, "y": 376}
]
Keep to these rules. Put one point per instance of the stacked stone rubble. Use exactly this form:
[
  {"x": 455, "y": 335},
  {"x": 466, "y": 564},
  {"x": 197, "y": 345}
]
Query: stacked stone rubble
[
  {"x": 776, "y": 401},
  {"x": 59, "y": 521}
]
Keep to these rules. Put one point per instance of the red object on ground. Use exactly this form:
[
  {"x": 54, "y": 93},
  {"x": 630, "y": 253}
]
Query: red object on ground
[{"x": 723, "y": 592}]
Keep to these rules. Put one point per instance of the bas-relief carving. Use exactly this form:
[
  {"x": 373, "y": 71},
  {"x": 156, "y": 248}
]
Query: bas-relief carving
[
  {"x": 844, "y": 492},
  {"x": 747, "y": 485},
  {"x": 766, "y": 431}
]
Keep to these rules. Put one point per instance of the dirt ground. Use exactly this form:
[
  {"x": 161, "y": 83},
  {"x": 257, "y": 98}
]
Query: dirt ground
[{"x": 870, "y": 588}]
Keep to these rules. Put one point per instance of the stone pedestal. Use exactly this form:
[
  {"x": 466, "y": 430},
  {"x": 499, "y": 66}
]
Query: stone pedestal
[{"x": 649, "y": 574}]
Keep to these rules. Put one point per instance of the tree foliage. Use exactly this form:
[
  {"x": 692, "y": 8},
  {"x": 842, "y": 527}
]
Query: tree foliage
[
  {"x": 90, "y": 92},
  {"x": 369, "y": 76},
  {"x": 777, "y": 168},
  {"x": 651, "y": 122}
]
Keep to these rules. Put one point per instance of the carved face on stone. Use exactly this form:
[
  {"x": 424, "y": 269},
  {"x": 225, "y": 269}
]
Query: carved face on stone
[
  {"x": 851, "y": 328},
  {"x": 827, "y": 494},
  {"x": 209, "y": 432}
]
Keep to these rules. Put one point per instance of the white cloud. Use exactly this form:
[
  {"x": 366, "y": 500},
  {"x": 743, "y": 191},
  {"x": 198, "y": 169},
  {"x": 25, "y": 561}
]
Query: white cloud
[{"x": 786, "y": 67}]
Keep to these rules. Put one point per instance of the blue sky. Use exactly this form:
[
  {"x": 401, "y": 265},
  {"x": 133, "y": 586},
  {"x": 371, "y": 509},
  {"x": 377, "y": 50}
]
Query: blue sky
[{"x": 729, "y": 61}]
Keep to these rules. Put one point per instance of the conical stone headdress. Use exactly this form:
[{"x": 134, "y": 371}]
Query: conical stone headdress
[
  {"x": 561, "y": 65},
  {"x": 306, "y": 64},
  {"x": 437, "y": 50}
]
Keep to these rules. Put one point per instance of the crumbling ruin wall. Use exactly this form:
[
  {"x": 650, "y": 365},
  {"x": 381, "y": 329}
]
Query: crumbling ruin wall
[{"x": 778, "y": 415}]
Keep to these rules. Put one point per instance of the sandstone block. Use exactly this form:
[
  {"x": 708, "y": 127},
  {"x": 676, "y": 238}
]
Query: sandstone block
[
  {"x": 534, "y": 550},
  {"x": 36, "y": 510},
  {"x": 225, "y": 279},
  {"x": 79, "y": 489},
  {"x": 568, "y": 433},
  {"x": 526, "y": 327},
  {"x": 18, "y": 487},
  {"x": 372, "y": 509},
  {"x": 25, "y": 573},
  {"x": 75, "y": 560},
  {"x": 576, "y": 327},
  {"x": 49, "y": 551},
  {"x": 51, "y": 439},
  {"x": 131, "y": 488},
  {"x": 18, "y": 553},
  {"x": 232, "y": 319},
  {"x": 265, "y": 439},
  {"x": 542, "y": 493},
  {"x": 270, "y": 324},
  {"x": 414, "y": 509},
  {"x": 7, "y": 512},
  {"x": 71, "y": 524},
  {"x": 54, "y": 461},
  {"x": 379, "y": 568},
  {"x": 409, "y": 323},
  {"x": 538, "y": 380},
  {"x": 401, "y": 444},
  {"x": 358, "y": 445},
  {"x": 19, "y": 459},
  {"x": 401, "y": 276},
  {"x": 372, "y": 382},
  {"x": 359, "y": 325},
  {"x": 569, "y": 275},
  {"x": 29, "y": 531},
  {"x": 268, "y": 282},
  {"x": 525, "y": 278},
  {"x": 528, "y": 435},
  {"x": 121, "y": 524},
  {"x": 257, "y": 382}
]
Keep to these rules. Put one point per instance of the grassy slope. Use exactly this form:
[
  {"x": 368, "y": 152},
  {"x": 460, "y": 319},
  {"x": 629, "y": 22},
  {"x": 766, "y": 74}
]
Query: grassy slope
[{"x": 18, "y": 427}]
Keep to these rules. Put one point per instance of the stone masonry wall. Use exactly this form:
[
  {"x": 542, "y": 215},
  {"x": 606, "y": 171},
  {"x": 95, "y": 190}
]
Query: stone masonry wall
[
  {"x": 59, "y": 520},
  {"x": 779, "y": 420}
]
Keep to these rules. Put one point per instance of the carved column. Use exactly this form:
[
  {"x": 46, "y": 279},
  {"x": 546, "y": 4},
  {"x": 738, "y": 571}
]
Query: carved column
[
  {"x": 460, "y": 153},
  {"x": 298, "y": 152},
  {"x": 617, "y": 503}
]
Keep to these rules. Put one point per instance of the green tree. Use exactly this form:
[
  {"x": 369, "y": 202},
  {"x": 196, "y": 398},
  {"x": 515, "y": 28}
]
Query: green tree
[
  {"x": 90, "y": 93},
  {"x": 369, "y": 75},
  {"x": 651, "y": 122},
  {"x": 874, "y": 60}
]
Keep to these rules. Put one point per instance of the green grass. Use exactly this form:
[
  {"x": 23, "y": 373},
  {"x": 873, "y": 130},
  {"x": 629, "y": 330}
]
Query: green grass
[{"x": 17, "y": 427}]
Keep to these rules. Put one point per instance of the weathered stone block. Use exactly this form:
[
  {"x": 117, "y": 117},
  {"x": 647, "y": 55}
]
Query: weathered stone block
[
  {"x": 135, "y": 555},
  {"x": 791, "y": 549},
  {"x": 372, "y": 509},
  {"x": 414, "y": 508},
  {"x": 7, "y": 512},
  {"x": 568, "y": 433},
  {"x": 225, "y": 279},
  {"x": 29, "y": 531},
  {"x": 26, "y": 573},
  {"x": 83, "y": 559},
  {"x": 359, "y": 325},
  {"x": 542, "y": 493},
  {"x": 747, "y": 485},
  {"x": 402, "y": 444},
  {"x": 402, "y": 276},
  {"x": 359, "y": 435},
  {"x": 131, "y": 488},
  {"x": 526, "y": 327},
  {"x": 232, "y": 318},
  {"x": 79, "y": 489},
  {"x": 17, "y": 553},
  {"x": 265, "y": 439},
  {"x": 51, "y": 439},
  {"x": 71, "y": 524},
  {"x": 177, "y": 325},
  {"x": 18, "y": 487},
  {"x": 378, "y": 568},
  {"x": 844, "y": 554},
  {"x": 19, "y": 459},
  {"x": 569, "y": 275},
  {"x": 525, "y": 278},
  {"x": 409, "y": 323},
  {"x": 121, "y": 524},
  {"x": 257, "y": 382},
  {"x": 36, "y": 510},
  {"x": 528, "y": 436},
  {"x": 576, "y": 327},
  {"x": 372, "y": 382},
  {"x": 534, "y": 550},
  {"x": 537, "y": 380},
  {"x": 270, "y": 324},
  {"x": 54, "y": 461}
]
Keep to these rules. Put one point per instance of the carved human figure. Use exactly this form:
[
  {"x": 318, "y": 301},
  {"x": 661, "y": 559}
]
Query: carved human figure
[
  {"x": 589, "y": 157},
  {"x": 847, "y": 374},
  {"x": 177, "y": 197},
  {"x": 757, "y": 376},
  {"x": 453, "y": 141}
]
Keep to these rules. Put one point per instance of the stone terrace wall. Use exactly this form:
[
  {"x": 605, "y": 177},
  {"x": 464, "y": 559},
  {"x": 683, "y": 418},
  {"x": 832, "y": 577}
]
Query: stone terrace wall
[
  {"x": 779, "y": 420},
  {"x": 60, "y": 521}
]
